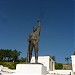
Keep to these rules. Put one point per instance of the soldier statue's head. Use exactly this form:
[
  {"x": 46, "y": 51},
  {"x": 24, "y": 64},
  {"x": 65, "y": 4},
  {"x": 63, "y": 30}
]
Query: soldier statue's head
[{"x": 34, "y": 29}]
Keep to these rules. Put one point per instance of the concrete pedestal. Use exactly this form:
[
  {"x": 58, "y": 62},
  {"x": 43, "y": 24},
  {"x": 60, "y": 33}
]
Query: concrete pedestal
[{"x": 30, "y": 69}]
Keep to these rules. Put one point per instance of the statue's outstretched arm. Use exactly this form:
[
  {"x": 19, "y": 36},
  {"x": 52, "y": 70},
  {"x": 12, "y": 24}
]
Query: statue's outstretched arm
[{"x": 39, "y": 26}]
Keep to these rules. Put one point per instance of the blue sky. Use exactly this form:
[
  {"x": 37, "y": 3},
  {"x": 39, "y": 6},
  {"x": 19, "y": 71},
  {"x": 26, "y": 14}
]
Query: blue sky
[{"x": 17, "y": 18}]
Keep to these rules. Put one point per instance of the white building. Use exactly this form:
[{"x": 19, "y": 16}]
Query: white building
[
  {"x": 73, "y": 64},
  {"x": 46, "y": 61}
]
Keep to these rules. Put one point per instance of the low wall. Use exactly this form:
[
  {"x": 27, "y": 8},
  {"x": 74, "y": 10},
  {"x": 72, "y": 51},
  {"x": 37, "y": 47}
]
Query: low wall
[{"x": 63, "y": 72}]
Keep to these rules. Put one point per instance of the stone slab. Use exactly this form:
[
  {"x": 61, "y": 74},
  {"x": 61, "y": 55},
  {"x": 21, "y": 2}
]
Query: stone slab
[{"x": 30, "y": 69}]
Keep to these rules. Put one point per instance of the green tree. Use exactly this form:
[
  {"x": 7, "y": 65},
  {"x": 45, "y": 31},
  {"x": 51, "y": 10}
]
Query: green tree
[
  {"x": 53, "y": 57},
  {"x": 23, "y": 59},
  {"x": 74, "y": 53},
  {"x": 1, "y": 55},
  {"x": 8, "y": 55},
  {"x": 67, "y": 59},
  {"x": 15, "y": 55},
  {"x": 58, "y": 66}
]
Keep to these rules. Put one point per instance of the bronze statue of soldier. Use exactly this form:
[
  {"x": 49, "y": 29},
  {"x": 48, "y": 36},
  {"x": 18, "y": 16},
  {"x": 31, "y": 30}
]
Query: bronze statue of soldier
[{"x": 33, "y": 40}]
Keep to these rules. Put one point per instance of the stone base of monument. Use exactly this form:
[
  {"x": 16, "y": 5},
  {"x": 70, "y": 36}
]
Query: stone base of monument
[{"x": 30, "y": 69}]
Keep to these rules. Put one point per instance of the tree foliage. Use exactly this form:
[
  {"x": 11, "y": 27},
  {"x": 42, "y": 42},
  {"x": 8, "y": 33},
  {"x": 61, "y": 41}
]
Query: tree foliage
[
  {"x": 58, "y": 66},
  {"x": 53, "y": 57},
  {"x": 23, "y": 59},
  {"x": 67, "y": 59},
  {"x": 9, "y": 55},
  {"x": 74, "y": 53}
]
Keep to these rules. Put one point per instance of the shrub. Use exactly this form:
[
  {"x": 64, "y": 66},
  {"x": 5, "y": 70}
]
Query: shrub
[
  {"x": 1, "y": 63},
  {"x": 10, "y": 65}
]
